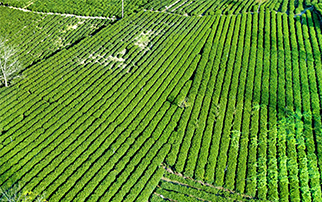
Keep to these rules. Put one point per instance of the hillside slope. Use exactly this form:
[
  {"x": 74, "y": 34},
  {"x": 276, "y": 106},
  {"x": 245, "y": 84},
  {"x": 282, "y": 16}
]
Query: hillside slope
[{"x": 158, "y": 106}]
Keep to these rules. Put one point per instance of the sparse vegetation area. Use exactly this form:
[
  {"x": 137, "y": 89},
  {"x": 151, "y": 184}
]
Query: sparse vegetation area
[
  {"x": 9, "y": 64},
  {"x": 15, "y": 194}
]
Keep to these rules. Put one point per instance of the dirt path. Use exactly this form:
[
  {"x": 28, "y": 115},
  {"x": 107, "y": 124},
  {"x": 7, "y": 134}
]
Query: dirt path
[
  {"x": 304, "y": 11},
  {"x": 61, "y": 14}
]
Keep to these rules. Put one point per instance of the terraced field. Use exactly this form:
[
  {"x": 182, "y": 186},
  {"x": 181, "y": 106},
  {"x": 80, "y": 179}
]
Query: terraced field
[
  {"x": 107, "y": 8},
  {"x": 205, "y": 7},
  {"x": 190, "y": 101}
]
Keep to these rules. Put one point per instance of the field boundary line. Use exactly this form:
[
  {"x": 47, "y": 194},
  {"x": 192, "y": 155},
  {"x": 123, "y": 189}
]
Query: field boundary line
[
  {"x": 60, "y": 14},
  {"x": 169, "y": 170}
]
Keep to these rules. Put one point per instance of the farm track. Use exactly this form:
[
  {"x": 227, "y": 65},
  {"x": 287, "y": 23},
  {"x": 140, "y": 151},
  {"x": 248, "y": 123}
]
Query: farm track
[{"x": 59, "y": 14}]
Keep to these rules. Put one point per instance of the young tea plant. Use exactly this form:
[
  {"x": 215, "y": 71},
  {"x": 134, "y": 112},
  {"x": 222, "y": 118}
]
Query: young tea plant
[{"x": 184, "y": 103}]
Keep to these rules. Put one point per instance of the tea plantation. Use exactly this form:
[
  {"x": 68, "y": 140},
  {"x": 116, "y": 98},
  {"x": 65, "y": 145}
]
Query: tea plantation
[{"x": 180, "y": 100}]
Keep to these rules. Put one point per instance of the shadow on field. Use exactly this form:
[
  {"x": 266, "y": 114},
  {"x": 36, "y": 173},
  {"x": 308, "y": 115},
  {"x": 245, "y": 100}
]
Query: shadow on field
[{"x": 7, "y": 179}]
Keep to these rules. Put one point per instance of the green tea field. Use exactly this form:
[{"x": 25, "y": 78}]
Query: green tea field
[{"x": 179, "y": 100}]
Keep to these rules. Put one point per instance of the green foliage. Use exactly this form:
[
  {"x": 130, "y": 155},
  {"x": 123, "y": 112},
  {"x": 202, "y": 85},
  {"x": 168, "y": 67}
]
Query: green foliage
[
  {"x": 84, "y": 8},
  {"x": 231, "y": 103},
  {"x": 37, "y": 37}
]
